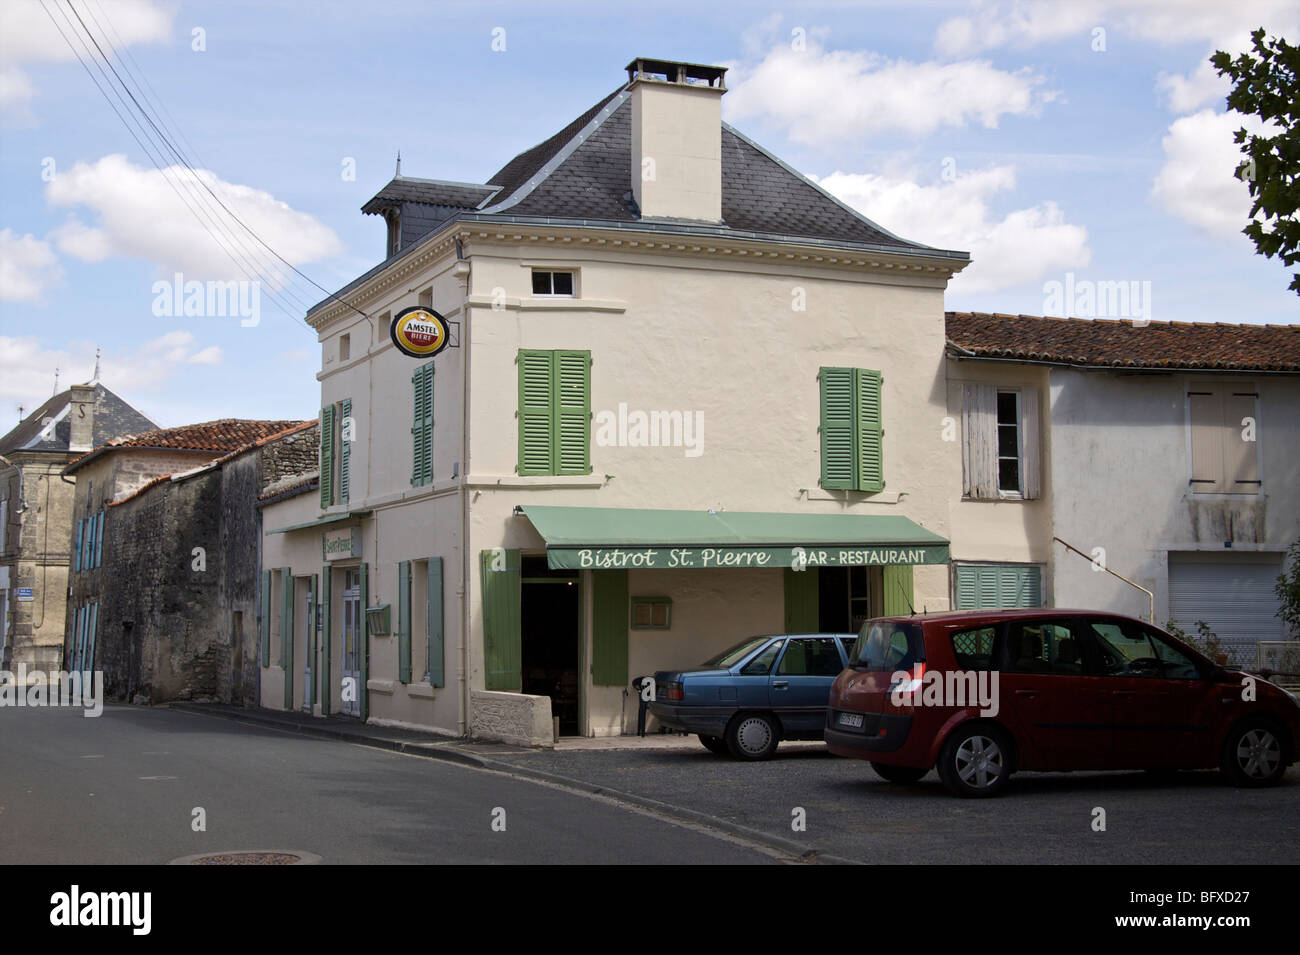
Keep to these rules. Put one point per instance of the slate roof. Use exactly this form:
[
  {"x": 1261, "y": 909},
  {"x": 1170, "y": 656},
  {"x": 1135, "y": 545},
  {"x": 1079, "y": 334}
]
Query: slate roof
[
  {"x": 217, "y": 438},
  {"x": 582, "y": 175},
  {"x": 434, "y": 192},
  {"x": 113, "y": 417},
  {"x": 1110, "y": 343}
]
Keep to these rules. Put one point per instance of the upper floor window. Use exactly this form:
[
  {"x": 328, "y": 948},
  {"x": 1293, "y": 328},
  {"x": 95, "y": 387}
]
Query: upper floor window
[
  {"x": 1222, "y": 422},
  {"x": 336, "y": 434},
  {"x": 552, "y": 283},
  {"x": 852, "y": 436},
  {"x": 1000, "y": 456},
  {"x": 554, "y": 412},
  {"x": 345, "y": 347}
]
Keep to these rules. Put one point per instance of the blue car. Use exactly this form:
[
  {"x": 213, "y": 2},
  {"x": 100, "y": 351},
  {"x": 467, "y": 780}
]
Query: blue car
[{"x": 747, "y": 699}]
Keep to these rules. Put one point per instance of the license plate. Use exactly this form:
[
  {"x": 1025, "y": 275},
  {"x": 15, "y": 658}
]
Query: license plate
[{"x": 851, "y": 719}]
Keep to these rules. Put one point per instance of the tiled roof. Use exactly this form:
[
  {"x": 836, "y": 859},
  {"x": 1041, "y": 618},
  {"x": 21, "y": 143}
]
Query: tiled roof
[
  {"x": 1109, "y": 343},
  {"x": 215, "y": 437},
  {"x": 520, "y": 169},
  {"x": 113, "y": 417}
]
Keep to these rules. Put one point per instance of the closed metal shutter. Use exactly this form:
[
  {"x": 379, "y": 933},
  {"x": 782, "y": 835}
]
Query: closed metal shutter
[{"x": 1234, "y": 596}]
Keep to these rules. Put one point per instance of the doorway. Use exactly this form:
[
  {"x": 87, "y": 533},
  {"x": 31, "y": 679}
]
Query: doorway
[
  {"x": 550, "y": 633},
  {"x": 309, "y": 651},
  {"x": 352, "y": 642}
]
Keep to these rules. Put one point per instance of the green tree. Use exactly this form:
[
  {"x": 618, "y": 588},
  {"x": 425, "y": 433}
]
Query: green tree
[
  {"x": 1265, "y": 84},
  {"x": 1288, "y": 590}
]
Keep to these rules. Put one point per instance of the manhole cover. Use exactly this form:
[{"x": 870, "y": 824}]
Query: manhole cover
[{"x": 250, "y": 857}]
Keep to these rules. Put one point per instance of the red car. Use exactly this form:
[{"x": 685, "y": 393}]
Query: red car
[{"x": 980, "y": 695}]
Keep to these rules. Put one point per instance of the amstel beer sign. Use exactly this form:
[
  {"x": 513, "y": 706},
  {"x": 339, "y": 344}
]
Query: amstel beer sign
[{"x": 419, "y": 332}]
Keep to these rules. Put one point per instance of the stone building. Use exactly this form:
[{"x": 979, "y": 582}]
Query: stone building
[
  {"x": 36, "y": 516},
  {"x": 163, "y": 596}
]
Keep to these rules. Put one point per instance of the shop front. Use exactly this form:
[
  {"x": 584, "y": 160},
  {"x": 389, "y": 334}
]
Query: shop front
[{"x": 609, "y": 594}]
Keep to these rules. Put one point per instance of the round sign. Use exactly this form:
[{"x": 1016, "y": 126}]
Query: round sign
[{"x": 419, "y": 332}]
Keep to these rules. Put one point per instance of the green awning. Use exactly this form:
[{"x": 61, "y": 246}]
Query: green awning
[
  {"x": 323, "y": 522},
  {"x": 609, "y": 538}
]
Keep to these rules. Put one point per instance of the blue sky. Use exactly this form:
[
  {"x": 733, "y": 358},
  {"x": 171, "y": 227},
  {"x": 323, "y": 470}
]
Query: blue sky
[{"x": 1015, "y": 131}]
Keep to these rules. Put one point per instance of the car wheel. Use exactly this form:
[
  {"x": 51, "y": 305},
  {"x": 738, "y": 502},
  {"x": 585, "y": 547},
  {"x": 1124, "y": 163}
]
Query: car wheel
[
  {"x": 976, "y": 761},
  {"x": 715, "y": 744},
  {"x": 752, "y": 736},
  {"x": 1253, "y": 755},
  {"x": 898, "y": 774}
]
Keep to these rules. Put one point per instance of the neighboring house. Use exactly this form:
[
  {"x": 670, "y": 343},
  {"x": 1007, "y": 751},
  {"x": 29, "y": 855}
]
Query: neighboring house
[
  {"x": 690, "y": 397},
  {"x": 163, "y": 594},
  {"x": 1171, "y": 456},
  {"x": 36, "y": 516}
]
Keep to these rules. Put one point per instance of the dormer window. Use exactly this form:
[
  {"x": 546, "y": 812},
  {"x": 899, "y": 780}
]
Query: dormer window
[
  {"x": 394, "y": 219},
  {"x": 552, "y": 283}
]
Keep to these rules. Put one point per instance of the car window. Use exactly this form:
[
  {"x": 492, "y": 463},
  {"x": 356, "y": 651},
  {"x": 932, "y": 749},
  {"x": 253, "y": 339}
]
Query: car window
[
  {"x": 848, "y": 646},
  {"x": 1040, "y": 646},
  {"x": 1174, "y": 663},
  {"x": 729, "y": 657},
  {"x": 887, "y": 646},
  {"x": 810, "y": 656},
  {"x": 974, "y": 649},
  {"x": 761, "y": 665},
  {"x": 1125, "y": 650}
]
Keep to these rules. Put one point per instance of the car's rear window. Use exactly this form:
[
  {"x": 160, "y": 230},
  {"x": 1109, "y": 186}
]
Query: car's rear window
[
  {"x": 883, "y": 645},
  {"x": 974, "y": 649},
  {"x": 733, "y": 655}
]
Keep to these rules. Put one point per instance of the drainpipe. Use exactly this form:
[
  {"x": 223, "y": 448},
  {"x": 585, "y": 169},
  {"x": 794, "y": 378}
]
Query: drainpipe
[{"x": 463, "y": 273}]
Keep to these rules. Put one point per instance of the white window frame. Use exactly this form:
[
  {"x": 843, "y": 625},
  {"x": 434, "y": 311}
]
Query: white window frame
[
  {"x": 1019, "y": 493},
  {"x": 535, "y": 271}
]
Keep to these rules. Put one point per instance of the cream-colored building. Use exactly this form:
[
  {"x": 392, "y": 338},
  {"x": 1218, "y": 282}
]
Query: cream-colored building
[{"x": 688, "y": 397}]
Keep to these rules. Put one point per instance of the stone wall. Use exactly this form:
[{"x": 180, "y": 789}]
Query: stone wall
[
  {"x": 511, "y": 717},
  {"x": 296, "y": 454}
]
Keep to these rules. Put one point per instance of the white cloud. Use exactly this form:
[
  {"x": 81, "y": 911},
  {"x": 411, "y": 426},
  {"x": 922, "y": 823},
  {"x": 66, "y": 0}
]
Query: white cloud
[
  {"x": 1018, "y": 248},
  {"x": 819, "y": 96},
  {"x": 27, "y": 366},
  {"x": 27, "y": 35},
  {"x": 140, "y": 216},
  {"x": 1186, "y": 92},
  {"x": 27, "y": 267},
  {"x": 1197, "y": 182},
  {"x": 1024, "y": 23}
]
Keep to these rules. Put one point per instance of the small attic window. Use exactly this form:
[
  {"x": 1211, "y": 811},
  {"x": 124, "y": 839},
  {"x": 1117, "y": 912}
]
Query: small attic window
[{"x": 546, "y": 282}]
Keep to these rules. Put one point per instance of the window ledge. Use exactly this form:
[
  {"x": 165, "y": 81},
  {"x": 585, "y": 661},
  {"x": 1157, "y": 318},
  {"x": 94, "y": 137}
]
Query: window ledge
[
  {"x": 540, "y": 303},
  {"x": 422, "y": 690},
  {"x": 539, "y": 480},
  {"x": 382, "y": 686}
]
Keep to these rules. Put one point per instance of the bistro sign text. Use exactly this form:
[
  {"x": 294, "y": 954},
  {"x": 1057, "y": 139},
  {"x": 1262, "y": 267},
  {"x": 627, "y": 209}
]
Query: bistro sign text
[{"x": 658, "y": 558}]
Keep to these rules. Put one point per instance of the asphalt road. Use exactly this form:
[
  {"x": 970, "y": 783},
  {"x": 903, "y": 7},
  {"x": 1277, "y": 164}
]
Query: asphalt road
[
  {"x": 1042, "y": 818},
  {"x": 121, "y": 788}
]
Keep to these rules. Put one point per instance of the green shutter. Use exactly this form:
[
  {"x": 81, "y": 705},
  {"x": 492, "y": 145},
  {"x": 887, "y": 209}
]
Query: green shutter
[
  {"x": 501, "y": 639},
  {"x": 309, "y": 662},
  {"x": 91, "y": 633},
  {"x": 266, "y": 618},
  {"x": 364, "y": 655},
  {"x": 345, "y": 451},
  {"x": 81, "y": 532},
  {"x": 286, "y": 633},
  {"x": 327, "y": 456},
  {"x": 898, "y": 591},
  {"x": 870, "y": 433},
  {"x": 433, "y": 622},
  {"x": 536, "y": 413},
  {"x": 422, "y": 425},
  {"x": 837, "y": 429},
  {"x": 609, "y": 628},
  {"x": 572, "y": 412},
  {"x": 997, "y": 587},
  {"x": 323, "y": 680},
  {"x": 404, "y": 621},
  {"x": 802, "y": 610}
]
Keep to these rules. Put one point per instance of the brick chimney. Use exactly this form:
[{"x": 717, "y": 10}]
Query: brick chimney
[
  {"x": 81, "y": 414},
  {"x": 677, "y": 139}
]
